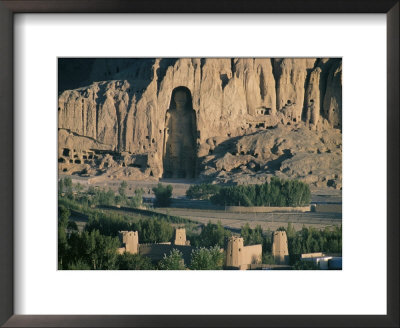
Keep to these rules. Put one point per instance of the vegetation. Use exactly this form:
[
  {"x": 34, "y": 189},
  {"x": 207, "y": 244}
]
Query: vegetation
[
  {"x": 129, "y": 261},
  {"x": 63, "y": 217},
  {"x": 305, "y": 265},
  {"x": 174, "y": 261},
  {"x": 276, "y": 193},
  {"x": 95, "y": 247},
  {"x": 211, "y": 235},
  {"x": 88, "y": 250},
  {"x": 310, "y": 240},
  {"x": 153, "y": 230},
  {"x": 163, "y": 195},
  {"x": 307, "y": 240},
  {"x": 252, "y": 236},
  {"x": 98, "y": 196},
  {"x": 267, "y": 258},
  {"x": 257, "y": 236},
  {"x": 202, "y": 191},
  {"x": 207, "y": 259}
]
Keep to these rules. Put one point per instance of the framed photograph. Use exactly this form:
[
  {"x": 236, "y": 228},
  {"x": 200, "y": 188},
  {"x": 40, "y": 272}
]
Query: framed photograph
[{"x": 199, "y": 164}]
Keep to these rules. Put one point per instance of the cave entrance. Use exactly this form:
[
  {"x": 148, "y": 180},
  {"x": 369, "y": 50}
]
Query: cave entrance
[{"x": 180, "y": 134}]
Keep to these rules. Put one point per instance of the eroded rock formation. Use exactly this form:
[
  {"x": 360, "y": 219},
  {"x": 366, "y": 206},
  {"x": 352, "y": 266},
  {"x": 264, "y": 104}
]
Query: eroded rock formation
[{"x": 116, "y": 125}]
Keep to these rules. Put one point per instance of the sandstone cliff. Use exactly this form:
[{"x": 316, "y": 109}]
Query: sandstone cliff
[{"x": 121, "y": 114}]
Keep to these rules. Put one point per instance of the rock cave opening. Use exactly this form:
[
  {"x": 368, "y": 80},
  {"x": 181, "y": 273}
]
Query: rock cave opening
[
  {"x": 180, "y": 135},
  {"x": 66, "y": 152}
]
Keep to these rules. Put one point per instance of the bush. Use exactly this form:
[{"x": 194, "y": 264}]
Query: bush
[
  {"x": 305, "y": 265},
  {"x": 174, "y": 261},
  {"x": 268, "y": 259},
  {"x": 212, "y": 235},
  {"x": 137, "y": 199},
  {"x": 152, "y": 230},
  {"x": 207, "y": 259},
  {"x": 79, "y": 265},
  {"x": 65, "y": 186},
  {"x": 163, "y": 195},
  {"x": 310, "y": 240},
  {"x": 202, "y": 191},
  {"x": 276, "y": 193},
  {"x": 129, "y": 261},
  {"x": 89, "y": 250},
  {"x": 252, "y": 236}
]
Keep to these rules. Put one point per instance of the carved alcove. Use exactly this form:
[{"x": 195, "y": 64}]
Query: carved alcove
[{"x": 179, "y": 153}]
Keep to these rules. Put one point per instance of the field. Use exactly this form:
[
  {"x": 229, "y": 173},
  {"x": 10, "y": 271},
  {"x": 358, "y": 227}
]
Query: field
[{"x": 328, "y": 211}]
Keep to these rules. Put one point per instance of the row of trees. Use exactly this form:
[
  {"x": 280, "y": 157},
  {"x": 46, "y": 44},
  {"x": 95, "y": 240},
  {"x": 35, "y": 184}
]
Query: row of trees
[
  {"x": 99, "y": 196},
  {"x": 152, "y": 230},
  {"x": 163, "y": 195},
  {"x": 211, "y": 235},
  {"x": 277, "y": 192},
  {"x": 201, "y": 259},
  {"x": 156, "y": 230},
  {"x": 86, "y": 250},
  {"x": 310, "y": 240},
  {"x": 307, "y": 240},
  {"x": 202, "y": 191}
]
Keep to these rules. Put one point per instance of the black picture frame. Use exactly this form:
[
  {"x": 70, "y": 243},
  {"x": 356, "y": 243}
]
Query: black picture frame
[{"x": 10, "y": 7}]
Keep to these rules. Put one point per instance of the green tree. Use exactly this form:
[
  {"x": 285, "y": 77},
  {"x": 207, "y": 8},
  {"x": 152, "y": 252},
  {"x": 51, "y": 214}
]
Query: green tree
[
  {"x": 79, "y": 265},
  {"x": 174, "y": 261},
  {"x": 63, "y": 247},
  {"x": 202, "y": 191},
  {"x": 97, "y": 251},
  {"x": 137, "y": 199},
  {"x": 122, "y": 189},
  {"x": 252, "y": 236},
  {"x": 213, "y": 235},
  {"x": 67, "y": 187},
  {"x": 72, "y": 226},
  {"x": 267, "y": 258},
  {"x": 78, "y": 187},
  {"x": 128, "y": 261},
  {"x": 154, "y": 231},
  {"x": 107, "y": 224},
  {"x": 207, "y": 259},
  {"x": 305, "y": 265},
  {"x": 60, "y": 187},
  {"x": 275, "y": 193},
  {"x": 163, "y": 195}
]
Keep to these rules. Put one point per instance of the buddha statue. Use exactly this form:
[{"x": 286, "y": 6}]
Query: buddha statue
[{"x": 180, "y": 136}]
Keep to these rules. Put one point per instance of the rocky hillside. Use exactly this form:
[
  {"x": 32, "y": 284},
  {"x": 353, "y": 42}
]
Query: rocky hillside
[{"x": 254, "y": 118}]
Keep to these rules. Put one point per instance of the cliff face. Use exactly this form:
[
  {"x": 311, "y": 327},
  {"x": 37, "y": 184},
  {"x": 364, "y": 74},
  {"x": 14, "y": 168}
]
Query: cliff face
[{"x": 125, "y": 112}]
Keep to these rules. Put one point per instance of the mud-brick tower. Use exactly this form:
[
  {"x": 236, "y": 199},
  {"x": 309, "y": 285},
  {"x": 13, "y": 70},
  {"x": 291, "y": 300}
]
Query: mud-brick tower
[
  {"x": 130, "y": 241},
  {"x": 180, "y": 236},
  {"x": 280, "y": 250},
  {"x": 234, "y": 252}
]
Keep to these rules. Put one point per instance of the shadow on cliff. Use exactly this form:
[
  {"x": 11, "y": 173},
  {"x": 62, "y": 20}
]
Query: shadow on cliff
[
  {"x": 162, "y": 69},
  {"x": 229, "y": 146}
]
